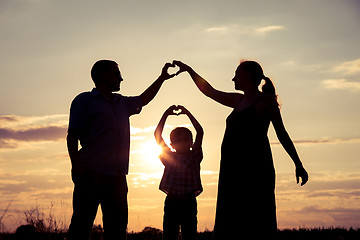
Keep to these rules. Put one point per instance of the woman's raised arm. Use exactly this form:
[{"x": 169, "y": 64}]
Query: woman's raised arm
[{"x": 224, "y": 98}]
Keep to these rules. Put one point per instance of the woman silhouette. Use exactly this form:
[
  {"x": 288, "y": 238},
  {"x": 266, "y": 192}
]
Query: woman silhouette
[{"x": 246, "y": 198}]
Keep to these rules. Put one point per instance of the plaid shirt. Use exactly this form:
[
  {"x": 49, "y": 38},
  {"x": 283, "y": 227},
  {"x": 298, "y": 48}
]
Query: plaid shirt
[{"x": 182, "y": 172}]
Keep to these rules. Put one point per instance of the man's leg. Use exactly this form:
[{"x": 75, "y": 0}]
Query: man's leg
[
  {"x": 85, "y": 208},
  {"x": 115, "y": 208}
]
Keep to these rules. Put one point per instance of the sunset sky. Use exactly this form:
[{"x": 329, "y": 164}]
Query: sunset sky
[{"x": 310, "y": 49}]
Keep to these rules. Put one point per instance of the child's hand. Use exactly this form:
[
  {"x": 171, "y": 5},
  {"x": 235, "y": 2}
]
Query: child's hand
[
  {"x": 172, "y": 110},
  {"x": 176, "y": 110},
  {"x": 182, "y": 110},
  {"x": 183, "y": 67}
]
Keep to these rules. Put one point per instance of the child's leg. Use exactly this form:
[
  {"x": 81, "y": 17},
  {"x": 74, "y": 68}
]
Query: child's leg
[
  {"x": 171, "y": 219},
  {"x": 189, "y": 220}
]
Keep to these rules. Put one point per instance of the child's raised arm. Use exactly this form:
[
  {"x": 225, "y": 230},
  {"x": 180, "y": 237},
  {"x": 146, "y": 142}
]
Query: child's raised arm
[
  {"x": 196, "y": 124},
  {"x": 160, "y": 127}
]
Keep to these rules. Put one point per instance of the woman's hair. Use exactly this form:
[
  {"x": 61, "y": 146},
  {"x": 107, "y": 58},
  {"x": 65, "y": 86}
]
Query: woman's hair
[
  {"x": 179, "y": 132},
  {"x": 257, "y": 73}
]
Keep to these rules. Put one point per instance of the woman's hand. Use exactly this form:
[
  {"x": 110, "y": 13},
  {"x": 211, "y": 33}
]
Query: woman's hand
[
  {"x": 183, "y": 67},
  {"x": 225, "y": 98},
  {"x": 300, "y": 172}
]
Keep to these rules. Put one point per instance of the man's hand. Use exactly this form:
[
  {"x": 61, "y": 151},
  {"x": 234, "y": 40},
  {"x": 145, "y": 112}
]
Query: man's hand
[
  {"x": 77, "y": 172},
  {"x": 164, "y": 73}
]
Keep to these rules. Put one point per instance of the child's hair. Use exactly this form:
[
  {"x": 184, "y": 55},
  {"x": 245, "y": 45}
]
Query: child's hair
[{"x": 174, "y": 135}]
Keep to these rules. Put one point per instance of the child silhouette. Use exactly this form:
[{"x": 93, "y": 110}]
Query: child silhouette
[{"x": 181, "y": 179}]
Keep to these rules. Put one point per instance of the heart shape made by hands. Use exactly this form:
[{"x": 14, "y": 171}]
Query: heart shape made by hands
[
  {"x": 177, "y": 111},
  {"x": 173, "y": 69}
]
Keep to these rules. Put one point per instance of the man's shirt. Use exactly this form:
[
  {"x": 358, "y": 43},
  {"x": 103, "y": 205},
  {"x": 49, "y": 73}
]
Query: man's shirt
[{"x": 103, "y": 128}]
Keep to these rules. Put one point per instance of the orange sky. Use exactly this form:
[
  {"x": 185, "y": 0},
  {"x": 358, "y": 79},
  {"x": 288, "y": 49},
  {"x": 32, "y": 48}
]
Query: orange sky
[{"x": 309, "y": 49}]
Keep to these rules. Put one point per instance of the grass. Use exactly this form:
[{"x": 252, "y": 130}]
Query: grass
[
  {"x": 41, "y": 227},
  {"x": 155, "y": 234}
]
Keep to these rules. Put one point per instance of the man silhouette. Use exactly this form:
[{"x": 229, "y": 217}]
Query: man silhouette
[{"x": 100, "y": 121}]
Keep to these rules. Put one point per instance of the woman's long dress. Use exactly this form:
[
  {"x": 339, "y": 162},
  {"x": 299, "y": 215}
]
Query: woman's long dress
[{"x": 246, "y": 199}]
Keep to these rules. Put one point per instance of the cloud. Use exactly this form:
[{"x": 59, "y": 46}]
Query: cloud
[
  {"x": 268, "y": 29},
  {"x": 328, "y": 199},
  {"x": 244, "y": 30},
  {"x": 51, "y": 133},
  {"x": 338, "y": 193},
  {"x": 345, "y": 68},
  {"x": 32, "y": 182},
  {"x": 208, "y": 172},
  {"x": 321, "y": 141},
  {"x": 34, "y": 128},
  {"x": 220, "y": 29},
  {"x": 329, "y": 210},
  {"x": 14, "y": 128},
  {"x": 151, "y": 129},
  {"x": 21, "y": 122},
  {"x": 8, "y": 118},
  {"x": 7, "y": 144},
  {"x": 144, "y": 180},
  {"x": 136, "y": 130},
  {"x": 339, "y": 185},
  {"x": 347, "y": 216},
  {"x": 341, "y": 84},
  {"x": 349, "y": 67}
]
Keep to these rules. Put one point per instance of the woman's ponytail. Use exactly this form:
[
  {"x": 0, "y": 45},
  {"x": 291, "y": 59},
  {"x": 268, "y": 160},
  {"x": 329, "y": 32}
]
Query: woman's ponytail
[
  {"x": 269, "y": 87},
  {"x": 257, "y": 73}
]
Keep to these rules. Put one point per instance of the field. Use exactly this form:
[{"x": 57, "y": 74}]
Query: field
[
  {"x": 38, "y": 226},
  {"x": 155, "y": 234}
]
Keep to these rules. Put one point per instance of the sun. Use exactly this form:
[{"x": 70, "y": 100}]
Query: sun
[{"x": 151, "y": 151}]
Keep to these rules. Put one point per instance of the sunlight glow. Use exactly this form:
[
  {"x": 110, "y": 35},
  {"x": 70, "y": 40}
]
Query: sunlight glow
[{"x": 151, "y": 151}]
